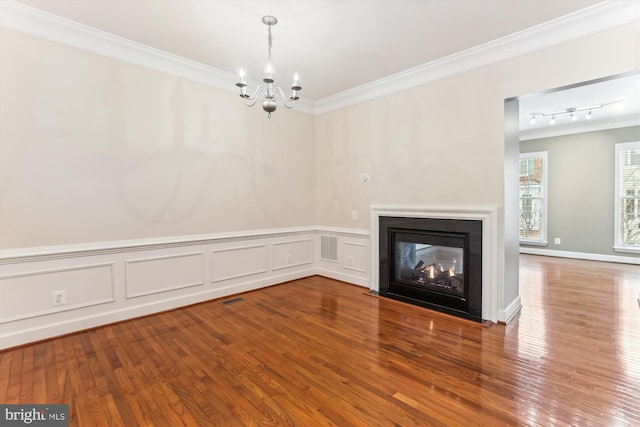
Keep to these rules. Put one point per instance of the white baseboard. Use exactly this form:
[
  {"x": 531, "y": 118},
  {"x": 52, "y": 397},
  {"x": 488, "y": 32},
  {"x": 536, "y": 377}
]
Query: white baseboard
[
  {"x": 348, "y": 278},
  {"x": 581, "y": 255},
  {"x": 510, "y": 311}
]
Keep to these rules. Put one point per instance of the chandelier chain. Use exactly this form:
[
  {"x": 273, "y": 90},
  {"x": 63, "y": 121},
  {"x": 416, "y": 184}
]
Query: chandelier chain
[{"x": 270, "y": 44}]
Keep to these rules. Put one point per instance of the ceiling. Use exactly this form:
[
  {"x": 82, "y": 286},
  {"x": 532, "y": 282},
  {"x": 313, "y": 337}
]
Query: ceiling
[{"x": 334, "y": 45}]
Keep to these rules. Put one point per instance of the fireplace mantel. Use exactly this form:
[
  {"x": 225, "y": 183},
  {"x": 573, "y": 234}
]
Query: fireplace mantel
[{"x": 491, "y": 287}]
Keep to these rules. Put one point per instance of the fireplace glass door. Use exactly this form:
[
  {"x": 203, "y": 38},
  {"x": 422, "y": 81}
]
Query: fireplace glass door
[
  {"x": 435, "y": 267},
  {"x": 428, "y": 262}
]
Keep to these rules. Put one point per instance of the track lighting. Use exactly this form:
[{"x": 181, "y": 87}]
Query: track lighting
[{"x": 572, "y": 112}]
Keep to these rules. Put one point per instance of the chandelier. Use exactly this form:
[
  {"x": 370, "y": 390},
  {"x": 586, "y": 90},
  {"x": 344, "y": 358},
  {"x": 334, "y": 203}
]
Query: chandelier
[{"x": 269, "y": 93}]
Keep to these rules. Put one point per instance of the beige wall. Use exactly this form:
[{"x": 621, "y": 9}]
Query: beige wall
[
  {"x": 443, "y": 143},
  {"x": 93, "y": 149},
  {"x": 415, "y": 148}
]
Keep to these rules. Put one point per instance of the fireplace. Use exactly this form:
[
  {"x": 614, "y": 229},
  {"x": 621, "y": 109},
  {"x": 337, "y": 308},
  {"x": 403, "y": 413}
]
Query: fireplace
[{"x": 432, "y": 262}]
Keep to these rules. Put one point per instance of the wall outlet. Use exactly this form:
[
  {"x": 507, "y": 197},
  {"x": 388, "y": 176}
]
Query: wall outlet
[
  {"x": 557, "y": 241},
  {"x": 354, "y": 214},
  {"x": 350, "y": 260},
  {"x": 288, "y": 259},
  {"x": 59, "y": 297}
]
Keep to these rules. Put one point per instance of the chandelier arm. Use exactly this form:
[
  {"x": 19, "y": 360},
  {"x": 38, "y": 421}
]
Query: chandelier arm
[
  {"x": 247, "y": 100},
  {"x": 289, "y": 103},
  {"x": 293, "y": 104}
]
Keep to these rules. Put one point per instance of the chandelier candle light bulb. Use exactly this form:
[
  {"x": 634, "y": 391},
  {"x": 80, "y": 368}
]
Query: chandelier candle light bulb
[{"x": 243, "y": 84}]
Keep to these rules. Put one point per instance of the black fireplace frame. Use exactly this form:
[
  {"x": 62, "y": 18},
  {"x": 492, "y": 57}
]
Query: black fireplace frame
[{"x": 434, "y": 231}]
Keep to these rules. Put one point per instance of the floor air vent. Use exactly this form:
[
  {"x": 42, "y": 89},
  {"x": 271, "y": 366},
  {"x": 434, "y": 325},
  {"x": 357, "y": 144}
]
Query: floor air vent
[{"x": 231, "y": 301}]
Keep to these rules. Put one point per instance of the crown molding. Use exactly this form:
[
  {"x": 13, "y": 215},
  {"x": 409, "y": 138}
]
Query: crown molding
[
  {"x": 20, "y": 17},
  {"x": 600, "y": 17}
]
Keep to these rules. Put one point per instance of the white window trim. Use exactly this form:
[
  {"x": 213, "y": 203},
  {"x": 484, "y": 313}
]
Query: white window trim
[
  {"x": 618, "y": 246},
  {"x": 544, "y": 155}
]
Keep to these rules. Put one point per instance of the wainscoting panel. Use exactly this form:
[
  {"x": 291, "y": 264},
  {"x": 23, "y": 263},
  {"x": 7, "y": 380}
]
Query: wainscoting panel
[
  {"x": 114, "y": 281},
  {"x": 353, "y": 253},
  {"x": 153, "y": 275},
  {"x": 234, "y": 262},
  {"x": 30, "y": 294},
  {"x": 355, "y": 256},
  {"x": 292, "y": 253}
]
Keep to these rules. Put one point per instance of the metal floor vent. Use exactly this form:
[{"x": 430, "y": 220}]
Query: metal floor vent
[{"x": 231, "y": 301}]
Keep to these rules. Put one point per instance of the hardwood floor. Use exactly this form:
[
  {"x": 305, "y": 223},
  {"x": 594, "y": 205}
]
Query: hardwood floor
[{"x": 317, "y": 352}]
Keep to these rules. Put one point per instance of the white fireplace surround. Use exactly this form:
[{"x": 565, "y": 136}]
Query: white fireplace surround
[{"x": 491, "y": 290}]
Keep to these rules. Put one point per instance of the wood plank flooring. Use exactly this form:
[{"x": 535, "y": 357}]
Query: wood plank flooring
[{"x": 318, "y": 352}]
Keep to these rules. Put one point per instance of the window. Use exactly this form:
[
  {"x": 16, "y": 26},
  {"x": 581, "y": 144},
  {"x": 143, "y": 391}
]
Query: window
[
  {"x": 533, "y": 198},
  {"x": 627, "y": 194},
  {"x": 527, "y": 166}
]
